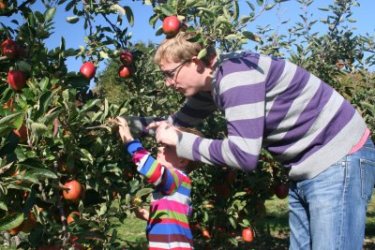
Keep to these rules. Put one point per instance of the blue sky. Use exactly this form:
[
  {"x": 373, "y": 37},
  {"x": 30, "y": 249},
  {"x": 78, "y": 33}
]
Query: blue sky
[{"x": 142, "y": 31}]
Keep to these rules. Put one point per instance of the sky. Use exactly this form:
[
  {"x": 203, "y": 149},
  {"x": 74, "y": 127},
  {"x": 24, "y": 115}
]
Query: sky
[{"x": 141, "y": 31}]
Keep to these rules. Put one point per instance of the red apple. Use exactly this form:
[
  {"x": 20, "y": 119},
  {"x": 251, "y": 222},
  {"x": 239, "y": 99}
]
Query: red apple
[
  {"x": 9, "y": 104},
  {"x": 281, "y": 190},
  {"x": 16, "y": 79},
  {"x": 206, "y": 234},
  {"x": 124, "y": 72},
  {"x": 126, "y": 57},
  {"x": 3, "y": 6},
  {"x": 72, "y": 190},
  {"x": 222, "y": 190},
  {"x": 9, "y": 48},
  {"x": 21, "y": 133},
  {"x": 88, "y": 70},
  {"x": 230, "y": 177},
  {"x": 171, "y": 25},
  {"x": 248, "y": 234},
  {"x": 72, "y": 216}
]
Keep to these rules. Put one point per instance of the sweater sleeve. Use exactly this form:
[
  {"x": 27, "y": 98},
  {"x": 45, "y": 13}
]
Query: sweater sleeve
[
  {"x": 194, "y": 110},
  {"x": 166, "y": 180},
  {"x": 241, "y": 94}
]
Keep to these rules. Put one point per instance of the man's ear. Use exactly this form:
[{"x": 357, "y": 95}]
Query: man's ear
[{"x": 199, "y": 63}]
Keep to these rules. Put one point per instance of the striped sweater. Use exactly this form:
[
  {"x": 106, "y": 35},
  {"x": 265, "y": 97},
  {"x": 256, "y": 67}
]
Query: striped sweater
[
  {"x": 170, "y": 208},
  {"x": 275, "y": 104}
]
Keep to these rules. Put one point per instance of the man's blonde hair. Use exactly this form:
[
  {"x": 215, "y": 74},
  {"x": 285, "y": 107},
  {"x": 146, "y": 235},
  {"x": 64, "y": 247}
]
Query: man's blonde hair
[{"x": 181, "y": 47}]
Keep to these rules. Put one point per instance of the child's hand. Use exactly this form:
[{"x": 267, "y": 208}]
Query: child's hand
[
  {"x": 124, "y": 130},
  {"x": 142, "y": 213}
]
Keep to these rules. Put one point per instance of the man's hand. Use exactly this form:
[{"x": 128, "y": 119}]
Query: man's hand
[
  {"x": 165, "y": 133},
  {"x": 124, "y": 130}
]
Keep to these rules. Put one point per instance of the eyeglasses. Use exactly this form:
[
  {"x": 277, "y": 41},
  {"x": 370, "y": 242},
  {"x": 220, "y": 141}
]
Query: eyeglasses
[{"x": 170, "y": 74}]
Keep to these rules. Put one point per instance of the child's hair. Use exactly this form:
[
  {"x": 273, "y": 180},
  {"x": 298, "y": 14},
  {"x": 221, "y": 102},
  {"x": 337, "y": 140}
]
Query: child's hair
[
  {"x": 192, "y": 165},
  {"x": 181, "y": 48}
]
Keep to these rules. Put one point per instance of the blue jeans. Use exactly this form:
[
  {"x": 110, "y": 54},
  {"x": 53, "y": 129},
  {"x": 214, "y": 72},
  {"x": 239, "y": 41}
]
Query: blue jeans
[{"x": 329, "y": 211}]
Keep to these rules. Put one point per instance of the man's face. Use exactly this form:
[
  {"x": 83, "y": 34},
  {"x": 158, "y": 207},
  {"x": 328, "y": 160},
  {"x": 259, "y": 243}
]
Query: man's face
[{"x": 182, "y": 76}]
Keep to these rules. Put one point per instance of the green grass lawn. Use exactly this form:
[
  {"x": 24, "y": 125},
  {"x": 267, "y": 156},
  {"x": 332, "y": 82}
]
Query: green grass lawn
[{"x": 276, "y": 221}]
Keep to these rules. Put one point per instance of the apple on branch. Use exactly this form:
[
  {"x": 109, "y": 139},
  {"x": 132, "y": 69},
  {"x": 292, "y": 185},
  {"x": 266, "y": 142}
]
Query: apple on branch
[
  {"x": 16, "y": 79},
  {"x": 171, "y": 25},
  {"x": 124, "y": 72},
  {"x": 88, "y": 70}
]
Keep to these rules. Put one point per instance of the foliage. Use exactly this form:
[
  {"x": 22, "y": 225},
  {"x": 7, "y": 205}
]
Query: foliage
[{"x": 68, "y": 136}]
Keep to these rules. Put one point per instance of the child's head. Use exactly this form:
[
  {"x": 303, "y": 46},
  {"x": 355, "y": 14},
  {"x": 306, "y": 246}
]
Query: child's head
[{"x": 167, "y": 155}]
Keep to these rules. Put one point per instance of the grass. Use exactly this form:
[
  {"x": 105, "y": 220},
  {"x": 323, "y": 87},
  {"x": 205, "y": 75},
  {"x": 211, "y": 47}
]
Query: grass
[{"x": 132, "y": 230}]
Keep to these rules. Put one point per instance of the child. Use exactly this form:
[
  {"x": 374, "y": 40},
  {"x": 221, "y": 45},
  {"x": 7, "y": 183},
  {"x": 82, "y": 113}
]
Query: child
[{"x": 167, "y": 219}]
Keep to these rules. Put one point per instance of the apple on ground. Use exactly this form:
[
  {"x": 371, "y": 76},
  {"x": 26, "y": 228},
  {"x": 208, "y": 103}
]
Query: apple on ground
[
  {"x": 88, "y": 70},
  {"x": 16, "y": 79},
  {"x": 171, "y": 25}
]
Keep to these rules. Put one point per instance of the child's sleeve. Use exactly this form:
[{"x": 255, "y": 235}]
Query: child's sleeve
[{"x": 164, "y": 179}]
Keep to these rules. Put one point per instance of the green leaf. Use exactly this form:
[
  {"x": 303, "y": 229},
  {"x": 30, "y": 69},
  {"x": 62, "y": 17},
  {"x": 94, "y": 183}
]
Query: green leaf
[
  {"x": 270, "y": 6},
  {"x": 103, "y": 209},
  {"x": 233, "y": 222},
  {"x": 90, "y": 104},
  {"x": 72, "y": 19},
  {"x": 119, "y": 9},
  {"x": 202, "y": 53},
  {"x": 10, "y": 119},
  {"x": 129, "y": 15},
  {"x": 252, "y": 7},
  {"x": 245, "y": 19},
  {"x": 36, "y": 173},
  {"x": 251, "y": 36},
  {"x": 11, "y": 221},
  {"x": 231, "y": 37},
  {"x": 44, "y": 101},
  {"x": 48, "y": 15},
  {"x": 159, "y": 31},
  {"x": 260, "y": 2},
  {"x": 153, "y": 19},
  {"x": 23, "y": 66},
  {"x": 86, "y": 156},
  {"x": 70, "y": 5},
  {"x": 235, "y": 10},
  {"x": 3, "y": 206},
  {"x": 143, "y": 192},
  {"x": 167, "y": 10},
  {"x": 62, "y": 44},
  {"x": 38, "y": 128},
  {"x": 30, "y": 201},
  {"x": 103, "y": 54},
  {"x": 323, "y": 9}
]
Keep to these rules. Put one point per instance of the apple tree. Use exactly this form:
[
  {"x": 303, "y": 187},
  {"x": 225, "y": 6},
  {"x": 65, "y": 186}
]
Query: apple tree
[{"x": 65, "y": 179}]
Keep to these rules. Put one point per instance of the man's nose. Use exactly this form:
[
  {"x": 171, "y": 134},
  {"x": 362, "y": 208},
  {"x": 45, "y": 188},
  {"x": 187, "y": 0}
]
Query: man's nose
[{"x": 169, "y": 82}]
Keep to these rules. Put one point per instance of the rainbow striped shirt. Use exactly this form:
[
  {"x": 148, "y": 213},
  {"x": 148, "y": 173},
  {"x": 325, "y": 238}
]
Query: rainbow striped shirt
[{"x": 170, "y": 209}]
